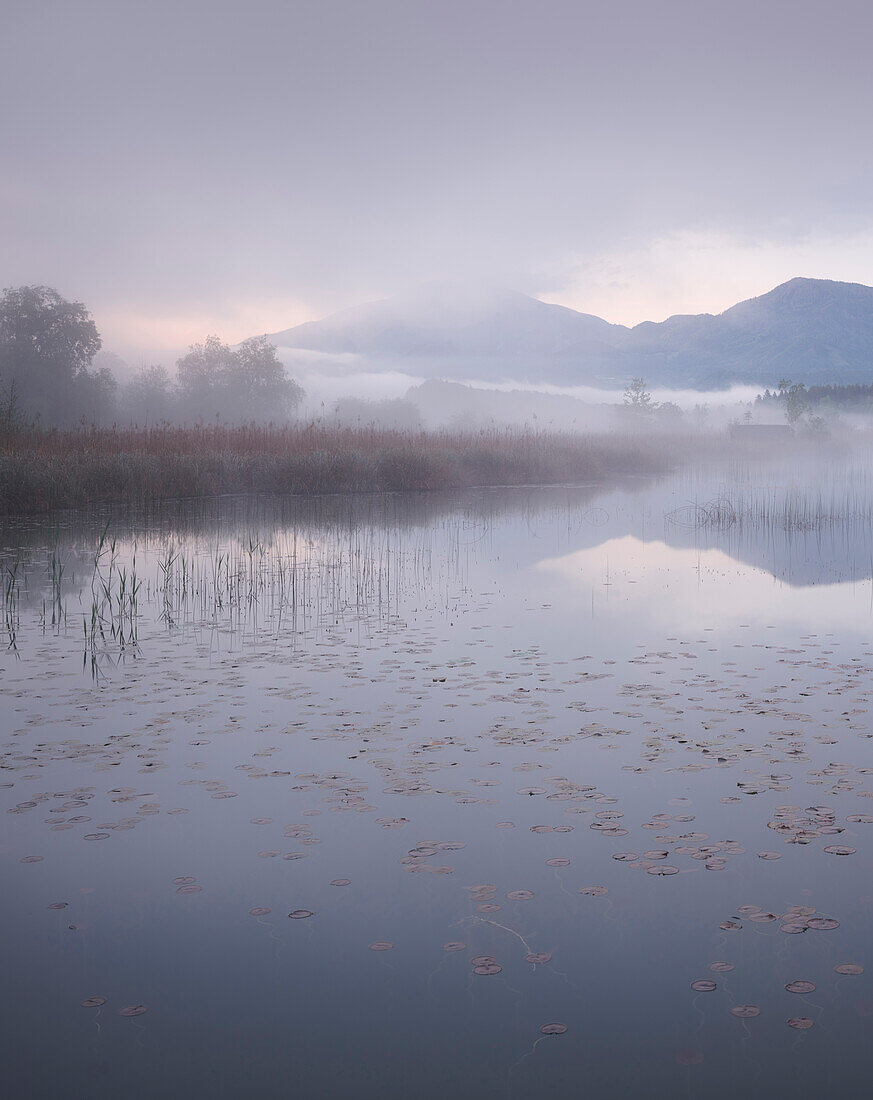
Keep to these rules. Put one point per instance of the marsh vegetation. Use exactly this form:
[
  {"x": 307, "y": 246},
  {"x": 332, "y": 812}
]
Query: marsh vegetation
[{"x": 60, "y": 469}]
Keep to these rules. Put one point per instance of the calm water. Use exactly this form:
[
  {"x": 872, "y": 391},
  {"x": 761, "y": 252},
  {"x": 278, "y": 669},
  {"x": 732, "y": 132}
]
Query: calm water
[{"x": 562, "y": 724}]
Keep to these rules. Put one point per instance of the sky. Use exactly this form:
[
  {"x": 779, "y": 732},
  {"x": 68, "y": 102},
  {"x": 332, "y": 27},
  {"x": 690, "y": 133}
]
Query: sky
[{"x": 205, "y": 167}]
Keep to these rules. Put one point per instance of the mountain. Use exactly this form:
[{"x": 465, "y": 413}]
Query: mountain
[
  {"x": 443, "y": 323},
  {"x": 810, "y": 330}
]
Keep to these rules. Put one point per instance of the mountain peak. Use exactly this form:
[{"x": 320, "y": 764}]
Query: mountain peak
[
  {"x": 804, "y": 293},
  {"x": 818, "y": 330},
  {"x": 441, "y": 322}
]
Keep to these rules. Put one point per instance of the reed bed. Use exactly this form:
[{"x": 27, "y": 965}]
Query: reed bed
[
  {"x": 42, "y": 470},
  {"x": 780, "y": 509}
]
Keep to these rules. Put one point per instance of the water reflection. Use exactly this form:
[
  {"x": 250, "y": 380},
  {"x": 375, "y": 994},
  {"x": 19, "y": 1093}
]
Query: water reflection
[{"x": 365, "y": 794}]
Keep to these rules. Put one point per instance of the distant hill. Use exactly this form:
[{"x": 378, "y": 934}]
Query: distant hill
[
  {"x": 811, "y": 330},
  {"x": 445, "y": 324}
]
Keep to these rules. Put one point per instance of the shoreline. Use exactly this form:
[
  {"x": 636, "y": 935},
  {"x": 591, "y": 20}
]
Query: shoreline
[{"x": 43, "y": 472}]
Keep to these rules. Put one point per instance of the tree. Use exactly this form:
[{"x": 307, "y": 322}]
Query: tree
[
  {"x": 246, "y": 383},
  {"x": 793, "y": 395},
  {"x": 10, "y": 412},
  {"x": 147, "y": 398},
  {"x": 669, "y": 414},
  {"x": 96, "y": 393},
  {"x": 200, "y": 375},
  {"x": 258, "y": 383},
  {"x": 637, "y": 397},
  {"x": 46, "y": 348}
]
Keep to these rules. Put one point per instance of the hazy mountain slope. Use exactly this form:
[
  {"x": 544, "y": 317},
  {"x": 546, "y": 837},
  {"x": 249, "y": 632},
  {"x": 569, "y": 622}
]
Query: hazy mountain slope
[
  {"x": 502, "y": 324},
  {"x": 811, "y": 330}
]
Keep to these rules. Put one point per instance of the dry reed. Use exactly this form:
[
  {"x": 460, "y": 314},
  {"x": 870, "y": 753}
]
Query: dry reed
[{"x": 41, "y": 470}]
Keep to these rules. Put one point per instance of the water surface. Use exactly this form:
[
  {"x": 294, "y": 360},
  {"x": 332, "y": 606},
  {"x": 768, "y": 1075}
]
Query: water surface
[{"x": 579, "y": 725}]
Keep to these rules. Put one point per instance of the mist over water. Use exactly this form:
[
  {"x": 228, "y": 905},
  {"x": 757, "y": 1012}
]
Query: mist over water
[{"x": 436, "y": 550}]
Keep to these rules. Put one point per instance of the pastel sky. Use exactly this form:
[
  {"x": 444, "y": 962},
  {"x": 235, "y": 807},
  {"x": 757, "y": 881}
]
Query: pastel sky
[{"x": 203, "y": 166}]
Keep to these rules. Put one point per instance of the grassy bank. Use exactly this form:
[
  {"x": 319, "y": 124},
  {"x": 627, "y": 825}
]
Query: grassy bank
[{"x": 58, "y": 469}]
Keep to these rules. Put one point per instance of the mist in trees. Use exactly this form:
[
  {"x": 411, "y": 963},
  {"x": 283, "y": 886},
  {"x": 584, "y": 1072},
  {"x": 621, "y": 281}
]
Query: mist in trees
[
  {"x": 215, "y": 381},
  {"x": 639, "y": 407},
  {"x": 53, "y": 373},
  {"x": 47, "y": 345},
  {"x": 397, "y": 414},
  {"x": 148, "y": 398}
]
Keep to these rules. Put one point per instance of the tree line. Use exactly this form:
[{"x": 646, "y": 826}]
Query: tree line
[
  {"x": 853, "y": 396},
  {"x": 48, "y": 375}
]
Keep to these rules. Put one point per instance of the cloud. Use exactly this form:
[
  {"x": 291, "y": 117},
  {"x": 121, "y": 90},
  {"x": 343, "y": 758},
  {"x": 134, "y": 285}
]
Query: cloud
[
  {"x": 700, "y": 272},
  {"x": 169, "y": 160}
]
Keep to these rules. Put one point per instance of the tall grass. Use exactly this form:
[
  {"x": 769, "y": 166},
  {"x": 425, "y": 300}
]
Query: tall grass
[
  {"x": 774, "y": 509},
  {"x": 812, "y": 493},
  {"x": 41, "y": 470}
]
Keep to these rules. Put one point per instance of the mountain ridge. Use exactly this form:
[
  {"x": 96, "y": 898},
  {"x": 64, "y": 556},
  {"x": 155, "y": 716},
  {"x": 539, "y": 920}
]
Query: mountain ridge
[{"x": 812, "y": 330}]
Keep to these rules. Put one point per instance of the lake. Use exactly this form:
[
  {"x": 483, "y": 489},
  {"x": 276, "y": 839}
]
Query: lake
[{"x": 501, "y": 793}]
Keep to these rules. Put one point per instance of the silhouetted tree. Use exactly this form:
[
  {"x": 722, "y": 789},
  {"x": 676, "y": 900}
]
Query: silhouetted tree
[
  {"x": 257, "y": 383},
  {"x": 637, "y": 397},
  {"x": 96, "y": 393},
  {"x": 199, "y": 379},
  {"x": 793, "y": 395},
  {"x": 10, "y": 412},
  {"x": 46, "y": 348},
  {"x": 246, "y": 383},
  {"x": 147, "y": 398}
]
